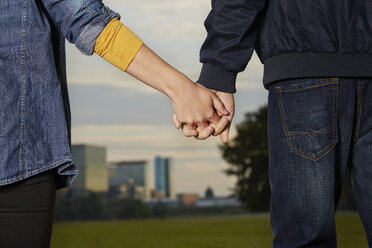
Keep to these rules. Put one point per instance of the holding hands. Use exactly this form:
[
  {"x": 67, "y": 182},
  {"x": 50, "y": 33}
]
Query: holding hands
[
  {"x": 217, "y": 117},
  {"x": 199, "y": 111}
]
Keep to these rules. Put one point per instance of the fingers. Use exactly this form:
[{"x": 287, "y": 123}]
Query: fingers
[
  {"x": 224, "y": 136},
  {"x": 200, "y": 132},
  {"x": 219, "y": 106},
  {"x": 189, "y": 130},
  {"x": 220, "y": 126},
  {"x": 204, "y": 131},
  {"x": 176, "y": 122}
]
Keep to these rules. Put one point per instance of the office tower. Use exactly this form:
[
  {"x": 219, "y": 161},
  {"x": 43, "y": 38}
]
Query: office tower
[
  {"x": 92, "y": 165},
  {"x": 164, "y": 176},
  {"x": 129, "y": 179}
]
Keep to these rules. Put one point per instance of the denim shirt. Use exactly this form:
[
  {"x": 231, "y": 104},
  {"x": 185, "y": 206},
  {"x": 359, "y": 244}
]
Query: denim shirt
[{"x": 35, "y": 119}]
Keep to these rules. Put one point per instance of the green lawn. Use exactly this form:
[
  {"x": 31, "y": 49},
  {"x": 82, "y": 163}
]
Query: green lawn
[{"x": 216, "y": 232}]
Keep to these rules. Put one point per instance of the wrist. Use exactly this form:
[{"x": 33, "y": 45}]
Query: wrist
[
  {"x": 216, "y": 78},
  {"x": 178, "y": 86}
]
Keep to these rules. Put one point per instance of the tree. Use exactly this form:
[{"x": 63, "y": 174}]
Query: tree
[
  {"x": 209, "y": 194},
  {"x": 248, "y": 157}
]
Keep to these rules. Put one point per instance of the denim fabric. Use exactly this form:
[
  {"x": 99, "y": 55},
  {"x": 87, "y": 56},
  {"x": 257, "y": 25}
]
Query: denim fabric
[
  {"x": 35, "y": 120},
  {"x": 318, "y": 129}
]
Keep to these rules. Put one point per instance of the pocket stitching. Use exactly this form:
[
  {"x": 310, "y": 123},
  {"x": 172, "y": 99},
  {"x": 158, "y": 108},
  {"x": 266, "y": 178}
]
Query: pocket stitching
[
  {"x": 333, "y": 125},
  {"x": 289, "y": 89}
]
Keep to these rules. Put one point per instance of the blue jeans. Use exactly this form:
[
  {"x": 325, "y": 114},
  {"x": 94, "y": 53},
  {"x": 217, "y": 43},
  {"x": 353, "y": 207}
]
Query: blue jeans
[{"x": 318, "y": 129}]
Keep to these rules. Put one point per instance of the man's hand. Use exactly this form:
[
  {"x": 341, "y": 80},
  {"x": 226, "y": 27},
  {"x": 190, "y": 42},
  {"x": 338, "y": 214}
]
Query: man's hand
[{"x": 228, "y": 100}]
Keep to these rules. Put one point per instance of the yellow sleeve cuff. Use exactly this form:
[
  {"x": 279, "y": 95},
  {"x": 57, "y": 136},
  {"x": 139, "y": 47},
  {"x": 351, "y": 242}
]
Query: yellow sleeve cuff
[{"x": 117, "y": 44}]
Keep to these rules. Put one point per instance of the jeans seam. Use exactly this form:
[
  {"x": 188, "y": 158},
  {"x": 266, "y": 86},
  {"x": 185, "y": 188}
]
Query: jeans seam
[
  {"x": 284, "y": 124},
  {"x": 360, "y": 101},
  {"x": 334, "y": 121}
]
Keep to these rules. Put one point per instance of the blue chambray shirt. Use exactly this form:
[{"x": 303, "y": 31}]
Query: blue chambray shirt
[{"x": 35, "y": 119}]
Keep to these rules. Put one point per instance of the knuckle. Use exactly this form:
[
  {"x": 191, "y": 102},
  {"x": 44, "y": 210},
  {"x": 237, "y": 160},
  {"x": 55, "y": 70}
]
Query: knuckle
[
  {"x": 191, "y": 121},
  {"x": 209, "y": 114},
  {"x": 197, "y": 122},
  {"x": 186, "y": 134}
]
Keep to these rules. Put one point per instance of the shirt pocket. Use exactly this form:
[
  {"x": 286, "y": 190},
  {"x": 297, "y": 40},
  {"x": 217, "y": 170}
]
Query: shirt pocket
[{"x": 308, "y": 111}]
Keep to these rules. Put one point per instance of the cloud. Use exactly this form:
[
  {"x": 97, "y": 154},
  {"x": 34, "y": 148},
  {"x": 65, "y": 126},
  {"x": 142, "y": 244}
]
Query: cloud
[
  {"x": 170, "y": 19},
  {"x": 172, "y": 28}
]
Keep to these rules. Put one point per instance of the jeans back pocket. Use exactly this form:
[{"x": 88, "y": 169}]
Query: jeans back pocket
[{"x": 308, "y": 109}]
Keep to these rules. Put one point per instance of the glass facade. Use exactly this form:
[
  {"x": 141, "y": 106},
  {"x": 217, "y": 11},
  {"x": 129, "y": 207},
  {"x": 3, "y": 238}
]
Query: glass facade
[
  {"x": 163, "y": 176},
  {"x": 92, "y": 165}
]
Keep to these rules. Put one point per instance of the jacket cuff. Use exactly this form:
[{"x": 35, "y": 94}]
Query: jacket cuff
[
  {"x": 87, "y": 38},
  {"x": 216, "y": 78}
]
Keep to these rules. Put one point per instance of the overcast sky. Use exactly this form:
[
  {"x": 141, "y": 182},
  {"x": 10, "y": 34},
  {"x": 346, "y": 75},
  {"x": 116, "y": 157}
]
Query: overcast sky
[{"x": 133, "y": 121}]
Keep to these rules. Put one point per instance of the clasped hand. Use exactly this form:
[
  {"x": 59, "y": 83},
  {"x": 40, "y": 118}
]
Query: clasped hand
[{"x": 201, "y": 112}]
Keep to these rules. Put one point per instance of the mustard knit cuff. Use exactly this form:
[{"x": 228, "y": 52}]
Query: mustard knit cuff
[{"x": 117, "y": 44}]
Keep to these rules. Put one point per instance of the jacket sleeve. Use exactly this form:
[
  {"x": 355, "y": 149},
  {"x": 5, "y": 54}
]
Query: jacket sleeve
[
  {"x": 81, "y": 21},
  {"x": 232, "y": 26}
]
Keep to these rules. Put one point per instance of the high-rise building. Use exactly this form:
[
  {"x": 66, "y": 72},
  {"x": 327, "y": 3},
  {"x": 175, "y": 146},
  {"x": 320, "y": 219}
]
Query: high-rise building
[
  {"x": 164, "y": 176},
  {"x": 92, "y": 165},
  {"x": 129, "y": 179}
]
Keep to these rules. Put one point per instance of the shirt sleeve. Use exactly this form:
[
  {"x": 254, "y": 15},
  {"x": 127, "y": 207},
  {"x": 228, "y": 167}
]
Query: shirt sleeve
[
  {"x": 232, "y": 27},
  {"x": 81, "y": 21},
  {"x": 118, "y": 44}
]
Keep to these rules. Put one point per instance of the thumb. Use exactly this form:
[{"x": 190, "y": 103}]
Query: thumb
[
  {"x": 176, "y": 122},
  {"x": 219, "y": 106}
]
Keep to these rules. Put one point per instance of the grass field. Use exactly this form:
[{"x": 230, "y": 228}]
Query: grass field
[{"x": 216, "y": 232}]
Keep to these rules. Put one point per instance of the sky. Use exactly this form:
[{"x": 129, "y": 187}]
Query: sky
[{"x": 133, "y": 121}]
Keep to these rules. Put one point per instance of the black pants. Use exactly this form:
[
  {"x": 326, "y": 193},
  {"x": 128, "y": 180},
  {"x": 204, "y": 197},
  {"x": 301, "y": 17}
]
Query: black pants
[{"x": 26, "y": 211}]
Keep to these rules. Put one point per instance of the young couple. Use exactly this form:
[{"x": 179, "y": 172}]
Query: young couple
[{"x": 317, "y": 58}]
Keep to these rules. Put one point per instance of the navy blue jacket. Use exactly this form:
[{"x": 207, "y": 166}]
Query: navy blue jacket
[{"x": 292, "y": 38}]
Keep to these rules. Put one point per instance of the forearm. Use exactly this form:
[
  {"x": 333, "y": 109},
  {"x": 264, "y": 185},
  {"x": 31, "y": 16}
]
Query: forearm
[
  {"x": 121, "y": 47},
  {"x": 149, "y": 68},
  {"x": 193, "y": 103}
]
